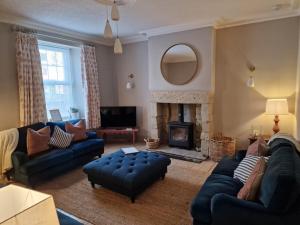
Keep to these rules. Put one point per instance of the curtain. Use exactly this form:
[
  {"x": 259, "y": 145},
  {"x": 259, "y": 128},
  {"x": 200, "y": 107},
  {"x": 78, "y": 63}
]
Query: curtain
[
  {"x": 91, "y": 86},
  {"x": 30, "y": 78}
]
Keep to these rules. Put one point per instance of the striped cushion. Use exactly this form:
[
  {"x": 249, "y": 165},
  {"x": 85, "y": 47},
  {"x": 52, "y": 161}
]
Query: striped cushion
[
  {"x": 246, "y": 166},
  {"x": 60, "y": 139}
]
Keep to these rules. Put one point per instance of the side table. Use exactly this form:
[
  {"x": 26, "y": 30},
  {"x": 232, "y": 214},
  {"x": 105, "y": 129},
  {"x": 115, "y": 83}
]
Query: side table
[{"x": 104, "y": 132}]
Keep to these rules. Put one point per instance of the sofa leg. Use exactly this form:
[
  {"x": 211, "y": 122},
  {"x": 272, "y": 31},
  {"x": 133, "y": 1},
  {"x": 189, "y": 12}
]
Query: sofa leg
[
  {"x": 93, "y": 184},
  {"x": 163, "y": 176}
]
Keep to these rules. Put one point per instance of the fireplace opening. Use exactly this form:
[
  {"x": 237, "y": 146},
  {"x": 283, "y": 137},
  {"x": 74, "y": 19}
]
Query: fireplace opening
[{"x": 180, "y": 133}]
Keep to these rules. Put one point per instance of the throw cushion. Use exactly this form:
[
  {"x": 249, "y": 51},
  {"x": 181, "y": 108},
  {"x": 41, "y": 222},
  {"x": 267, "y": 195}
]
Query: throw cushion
[
  {"x": 78, "y": 129},
  {"x": 245, "y": 168},
  {"x": 251, "y": 187},
  {"x": 37, "y": 141},
  {"x": 60, "y": 139},
  {"x": 258, "y": 148}
]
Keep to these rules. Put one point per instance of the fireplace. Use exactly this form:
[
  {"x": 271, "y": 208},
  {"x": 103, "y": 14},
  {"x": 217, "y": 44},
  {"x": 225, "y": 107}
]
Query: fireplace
[
  {"x": 181, "y": 135},
  {"x": 197, "y": 110}
]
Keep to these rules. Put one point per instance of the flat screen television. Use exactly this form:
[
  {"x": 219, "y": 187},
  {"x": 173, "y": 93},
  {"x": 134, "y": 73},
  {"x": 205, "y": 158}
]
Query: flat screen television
[{"x": 118, "y": 116}]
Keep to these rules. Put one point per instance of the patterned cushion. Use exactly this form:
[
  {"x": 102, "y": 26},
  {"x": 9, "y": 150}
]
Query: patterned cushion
[
  {"x": 60, "y": 139},
  {"x": 37, "y": 141},
  {"x": 78, "y": 129},
  {"x": 245, "y": 168},
  {"x": 258, "y": 148},
  {"x": 252, "y": 185}
]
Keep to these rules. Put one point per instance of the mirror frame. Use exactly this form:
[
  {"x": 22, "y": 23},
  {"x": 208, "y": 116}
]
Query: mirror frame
[{"x": 197, "y": 63}]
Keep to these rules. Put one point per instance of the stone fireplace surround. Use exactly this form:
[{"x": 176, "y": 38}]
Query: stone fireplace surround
[{"x": 204, "y": 113}]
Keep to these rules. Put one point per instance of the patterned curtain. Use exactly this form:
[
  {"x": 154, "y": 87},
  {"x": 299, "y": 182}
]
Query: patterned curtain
[
  {"x": 31, "y": 90},
  {"x": 91, "y": 86}
]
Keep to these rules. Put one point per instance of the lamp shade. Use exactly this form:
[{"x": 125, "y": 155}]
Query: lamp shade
[
  {"x": 115, "y": 12},
  {"x": 277, "y": 107},
  {"x": 118, "y": 49},
  {"x": 107, "y": 30},
  {"x": 22, "y": 206}
]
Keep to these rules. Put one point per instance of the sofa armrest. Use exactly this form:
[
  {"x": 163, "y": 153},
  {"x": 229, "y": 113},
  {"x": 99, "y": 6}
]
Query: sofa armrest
[
  {"x": 229, "y": 210},
  {"x": 91, "y": 135},
  {"x": 240, "y": 155},
  {"x": 18, "y": 159}
]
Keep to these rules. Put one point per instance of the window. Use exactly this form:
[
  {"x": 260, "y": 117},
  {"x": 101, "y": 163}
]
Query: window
[{"x": 57, "y": 78}]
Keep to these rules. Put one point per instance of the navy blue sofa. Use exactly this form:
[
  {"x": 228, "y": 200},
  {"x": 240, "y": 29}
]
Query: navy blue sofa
[
  {"x": 279, "y": 195},
  {"x": 32, "y": 170}
]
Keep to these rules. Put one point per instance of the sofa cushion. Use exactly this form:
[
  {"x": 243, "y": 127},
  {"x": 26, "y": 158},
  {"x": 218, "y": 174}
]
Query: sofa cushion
[
  {"x": 61, "y": 124},
  {"x": 47, "y": 160},
  {"x": 78, "y": 130},
  {"x": 215, "y": 184},
  {"x": 252, "y": 185},
  {"x": 258, "y": 148},
  {"x": 245, "y": 168},
  {"x": 37, "y": 141},
  {"x": 226, "y": 166},
  {"x": 87, "y": 146},
  {"x": 279, "y": 182},
  {"x": 60, "y": 138},
  {"x": 22, "y": 144}
]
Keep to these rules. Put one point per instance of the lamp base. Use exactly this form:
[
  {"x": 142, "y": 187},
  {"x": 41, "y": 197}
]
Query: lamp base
[{"x": 276, "y": 126}]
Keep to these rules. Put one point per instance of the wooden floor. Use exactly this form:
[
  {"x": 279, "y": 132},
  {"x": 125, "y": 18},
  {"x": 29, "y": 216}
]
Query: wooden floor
[{"x": 166, "y": 202}]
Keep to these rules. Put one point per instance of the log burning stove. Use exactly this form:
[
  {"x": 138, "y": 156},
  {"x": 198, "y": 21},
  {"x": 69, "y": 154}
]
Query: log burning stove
[{"x": 181, "y": 133}]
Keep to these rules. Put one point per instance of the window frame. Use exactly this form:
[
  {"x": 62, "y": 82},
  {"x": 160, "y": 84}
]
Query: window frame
[{"x": 68, "y": 81}]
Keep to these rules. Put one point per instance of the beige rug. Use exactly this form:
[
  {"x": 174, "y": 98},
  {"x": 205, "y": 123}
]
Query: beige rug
[{"x": 165, "y": 202}]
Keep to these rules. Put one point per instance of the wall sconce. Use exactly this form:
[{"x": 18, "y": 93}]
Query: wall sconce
[
  {"x": 250, "y": 82},
  {"x": 130, "y": 82}
]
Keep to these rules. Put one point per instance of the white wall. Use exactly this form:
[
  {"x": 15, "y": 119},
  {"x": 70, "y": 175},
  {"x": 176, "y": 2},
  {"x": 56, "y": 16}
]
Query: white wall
[
  {"x": 134, "y": 60},
  {"x": 9, "y": 97},
  {"x": 107, "y": 80},
  {"x": 202, "y": 40},
  {"x": 272, "y": 47}
]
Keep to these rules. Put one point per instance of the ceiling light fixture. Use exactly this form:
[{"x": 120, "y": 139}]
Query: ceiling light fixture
[
  {"x": 118, "y": 49},
  {"x": 107, "y": 30},
  {"x": 115, "y": 15}
]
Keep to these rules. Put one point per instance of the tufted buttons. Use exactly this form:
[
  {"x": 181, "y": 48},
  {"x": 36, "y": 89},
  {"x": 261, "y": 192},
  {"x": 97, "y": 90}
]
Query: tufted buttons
[
  {"x": 131, "y": 164},
  {"x": 133, "y": 158},
  {"x": 130, "y": 170},
  {"x": 145, "y": 162},
  {"x": 118, "y": 167},
  {"x": 107, "y": 163},
  {"x": 109, "y": 158},
  {"x": 120, "y": 161}
]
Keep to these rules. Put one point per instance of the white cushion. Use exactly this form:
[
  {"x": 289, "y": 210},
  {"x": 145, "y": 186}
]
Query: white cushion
[
  {"x": 246, "y": 166},
  {"x": 60, "y": 139}
]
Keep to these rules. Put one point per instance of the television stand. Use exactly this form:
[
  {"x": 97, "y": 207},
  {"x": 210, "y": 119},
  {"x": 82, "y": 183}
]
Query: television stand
[{"x": 104, "y": 132}]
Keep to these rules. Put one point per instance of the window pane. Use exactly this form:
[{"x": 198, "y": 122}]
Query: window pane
[
  {"x": 51, "y": 58},
  {"x": 52, "y": 72},
  {"x": 59, "y": 58},
  {"x": 43, "y": 54},
  {"x": 60, "y": 74},
  {"x": 45, "y": 72},
  {"x": 57, "y": 84}
]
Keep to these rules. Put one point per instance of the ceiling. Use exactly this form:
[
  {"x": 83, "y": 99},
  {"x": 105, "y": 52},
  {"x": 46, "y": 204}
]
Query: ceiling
[{"x": 151, "y": 17}]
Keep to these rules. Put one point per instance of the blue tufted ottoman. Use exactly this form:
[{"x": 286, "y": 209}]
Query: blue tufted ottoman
[{"x": 127, "y": 174}]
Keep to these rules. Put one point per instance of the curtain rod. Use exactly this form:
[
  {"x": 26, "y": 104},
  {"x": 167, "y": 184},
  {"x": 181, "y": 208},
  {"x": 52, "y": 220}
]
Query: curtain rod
[{"x": 59, "y": 38}]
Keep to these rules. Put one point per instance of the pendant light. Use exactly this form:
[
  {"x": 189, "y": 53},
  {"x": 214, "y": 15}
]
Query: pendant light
[
  {"x": 107, "y": 30},
  {"x": 115, "y": 12},
  {"x": 118, "y": 49}
]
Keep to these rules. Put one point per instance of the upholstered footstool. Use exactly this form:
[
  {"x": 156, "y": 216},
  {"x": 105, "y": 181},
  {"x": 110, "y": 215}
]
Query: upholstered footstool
[{"x": 127, "y": 174}]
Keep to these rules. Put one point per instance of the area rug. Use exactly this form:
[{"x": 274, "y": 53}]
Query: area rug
[{"x": 166, "y": 202}]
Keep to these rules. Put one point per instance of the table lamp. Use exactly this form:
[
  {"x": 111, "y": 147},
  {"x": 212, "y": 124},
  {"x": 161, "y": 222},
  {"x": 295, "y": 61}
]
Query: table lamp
[
  {"x": 277, "y": 107},
  {"x": 22, "y": 206}
]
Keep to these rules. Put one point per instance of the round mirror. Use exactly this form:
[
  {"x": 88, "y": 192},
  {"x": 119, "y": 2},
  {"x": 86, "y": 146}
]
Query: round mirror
[{"x": 179, "y": 64}]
